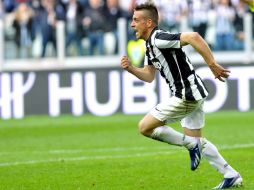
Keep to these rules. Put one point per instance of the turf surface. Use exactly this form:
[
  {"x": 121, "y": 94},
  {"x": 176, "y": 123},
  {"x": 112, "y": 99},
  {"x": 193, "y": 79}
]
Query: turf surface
[{"x": 108, "y": 153}]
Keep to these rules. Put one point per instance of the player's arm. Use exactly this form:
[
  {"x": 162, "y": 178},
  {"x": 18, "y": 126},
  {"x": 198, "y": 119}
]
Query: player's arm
[
  {"x": 147, "y": 73},
  {"x": 200, "y": 45}
]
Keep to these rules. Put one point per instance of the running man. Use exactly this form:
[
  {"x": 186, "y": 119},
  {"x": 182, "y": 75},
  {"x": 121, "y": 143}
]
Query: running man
[{"x": 164, "y": 53}]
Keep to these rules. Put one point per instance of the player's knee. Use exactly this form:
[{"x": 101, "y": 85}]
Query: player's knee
[{"x": 143, "y": 128}]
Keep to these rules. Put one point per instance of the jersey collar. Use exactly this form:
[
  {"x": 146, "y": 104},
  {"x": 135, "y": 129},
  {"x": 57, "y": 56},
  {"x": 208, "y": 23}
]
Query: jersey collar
[{"x": 149, "y": 38}]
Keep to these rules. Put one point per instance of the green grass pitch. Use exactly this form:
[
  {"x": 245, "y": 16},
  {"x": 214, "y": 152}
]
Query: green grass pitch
[{"x": 108, "y": 153}]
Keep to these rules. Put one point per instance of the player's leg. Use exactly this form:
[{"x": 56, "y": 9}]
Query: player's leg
[
  {"x": 153, "y": 124},
  {"x": 151, "y": 127},
  {"x": 148, "y": 124},
  {"x": 231, "y": 177},
  {"x": 193, "y": 124},
  {"x": 193, "y": 132},
  {"x": 211, "y": 153}
]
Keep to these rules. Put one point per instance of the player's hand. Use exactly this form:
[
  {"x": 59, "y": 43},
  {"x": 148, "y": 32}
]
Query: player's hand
[
  {"x": 125, "y": 63},
  {"x": 219, "y": 72}
]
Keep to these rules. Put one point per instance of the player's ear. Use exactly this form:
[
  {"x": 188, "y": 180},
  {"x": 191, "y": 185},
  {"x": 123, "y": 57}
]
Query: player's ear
[{"x": 149, "y": 22}]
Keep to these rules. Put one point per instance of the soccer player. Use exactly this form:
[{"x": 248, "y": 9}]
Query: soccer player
[
  {"x": 164, "y": 53},
  {"x": 250, "y": 3}
]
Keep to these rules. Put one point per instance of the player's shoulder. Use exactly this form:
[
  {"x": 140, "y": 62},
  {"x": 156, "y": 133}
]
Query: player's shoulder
[{"x": 167, "y": 35}]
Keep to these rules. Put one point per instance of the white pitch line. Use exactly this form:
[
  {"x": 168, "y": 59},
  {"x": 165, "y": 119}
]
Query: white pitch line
[
  {"x": 68, "y": 151},
  {"x": 168, "y": 152},
  {"x": 81, "y": 158},
  {"x": 120, "y": 149},
  {"x": 236, "y": 146}
]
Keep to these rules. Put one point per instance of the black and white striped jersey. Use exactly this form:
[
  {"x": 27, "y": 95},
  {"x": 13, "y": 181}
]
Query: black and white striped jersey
[{"x": 164, "y": 52}]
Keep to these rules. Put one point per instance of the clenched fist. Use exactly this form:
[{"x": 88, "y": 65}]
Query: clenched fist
[{"x": 125, "y": 63}]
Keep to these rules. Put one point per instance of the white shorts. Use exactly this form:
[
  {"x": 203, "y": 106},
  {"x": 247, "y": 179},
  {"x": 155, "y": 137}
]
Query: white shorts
[{"x": 189, "y": 113}]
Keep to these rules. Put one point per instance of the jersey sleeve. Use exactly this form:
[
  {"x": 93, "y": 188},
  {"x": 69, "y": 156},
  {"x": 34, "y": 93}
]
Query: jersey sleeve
[{"x": 167, "y": 40}]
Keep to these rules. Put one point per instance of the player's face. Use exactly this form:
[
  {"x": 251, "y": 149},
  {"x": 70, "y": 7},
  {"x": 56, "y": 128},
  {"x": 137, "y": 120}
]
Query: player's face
[{"x": 139, "y": 25}]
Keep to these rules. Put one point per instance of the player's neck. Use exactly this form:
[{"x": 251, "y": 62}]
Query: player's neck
[{"x": 149, "y": 33}]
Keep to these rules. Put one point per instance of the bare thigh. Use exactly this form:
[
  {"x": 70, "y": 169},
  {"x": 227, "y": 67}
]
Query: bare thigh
[{"x": 148, "y": 124}]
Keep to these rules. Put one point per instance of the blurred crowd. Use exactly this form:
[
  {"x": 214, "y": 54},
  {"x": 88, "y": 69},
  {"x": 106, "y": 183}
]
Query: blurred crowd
[{"x": 91, "y": 25}]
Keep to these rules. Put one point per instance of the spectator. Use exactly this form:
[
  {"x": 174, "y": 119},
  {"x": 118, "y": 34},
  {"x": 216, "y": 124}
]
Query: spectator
[
  {"x": 9, "y": 5},
  {"x": 23, "y": 18},
  {"x": 225, "y": 15},
  {"x": 172, "y": 14},
  {"x": 113, "y": 13},
  {"x": 198, "y": 15},
  {"x": 84, "y": 3},
  {"x": 238, "y": 24},
  {"x": 250, "y": 3},
  {"x": 2, "y": 10},
  {"x": 128, "y": 6},
  {"x": 74, "y": 29},
  {"x": 48, "y": 16},
  {"x": 36, "y": 27},
  {"x": 95, "y": 23}
]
